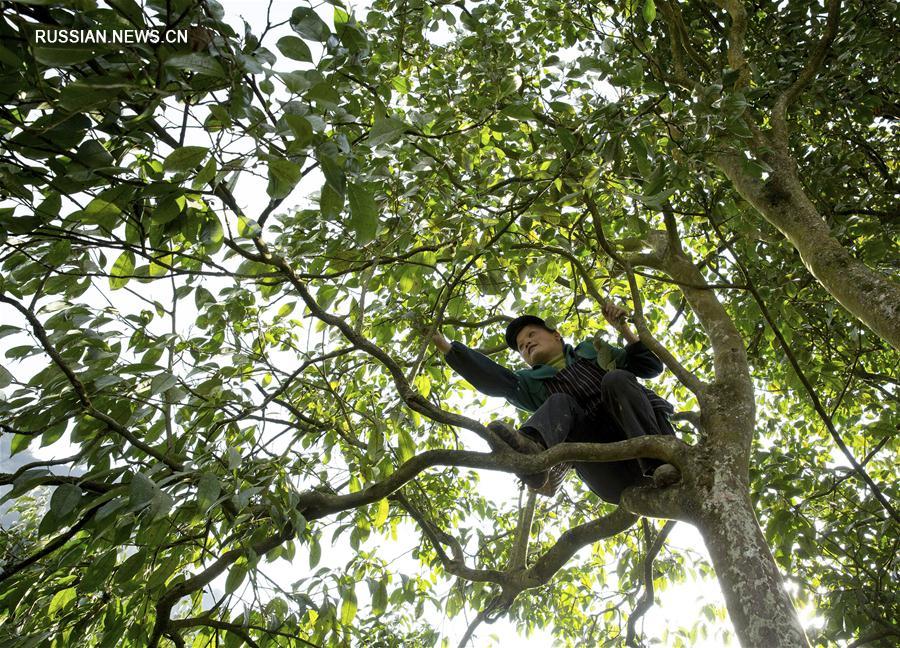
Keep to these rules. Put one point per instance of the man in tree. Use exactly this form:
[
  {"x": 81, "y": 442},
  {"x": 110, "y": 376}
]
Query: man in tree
[{"x": 586, "y": 393}]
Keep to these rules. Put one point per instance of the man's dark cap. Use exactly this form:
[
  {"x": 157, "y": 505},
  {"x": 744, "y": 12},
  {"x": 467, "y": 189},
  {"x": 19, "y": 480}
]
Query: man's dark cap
[{"x": 512, "y": 331}]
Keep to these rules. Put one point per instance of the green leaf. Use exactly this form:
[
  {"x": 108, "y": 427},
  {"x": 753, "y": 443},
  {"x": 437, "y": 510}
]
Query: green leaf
[
  {"x": 307, "y": 23},
  {"x": 247, "y": 227},
  {"x": 296, "y": 81},
  {"x": 234, "y": 458},
  {"x": 379, "y": 598},
  {"x": 211, "y": 232},
  {"x": 204, "y": 64},
  {"x": 236, "y": 576},
  {"x": 162, "y": 382},
  {"x": 739, "y": 127},
  {"x": 656, "y": 182},
  {"x": 381, "y": 514},
  {"x": 208, "y": 490},
  {"x": 283, "y": 177},
  {"x": 160, "y": 265},
  {"x": 206, "y": 175},
  {"x": 353, "y": 38},
  {"x": 294, "y": 48},
  {"x": 92, "y": 154},
  {"x": 8, "y": 329},
  {"x": 19, "y": 443},
  {"x": 385, "y": 130},
  {"x": 518, "y": 111},
  {"x": 160, "y": 505},
  {"x": 185, "y": 158},
  {"x": 6, "y": 378},
  {"x": 363, "y": 213},
  {"x": 141, "y": 491},
  {"x": 324, "y": 95},
  {"x": 348, "y": 607},
  {"x": 641, "y": 154},
  {"x": 400, "y": 84},
  {"x": 62, "y": 56},
  {"x": 315, "y": 554},
  {"x": 8, "y": 58},
  {"x": 333, "y": 172},
  {"x": 649, "y": 11},
  {"x": 301, "y": 128},
  {"x": 54, "y": 433},
  {"x": 19, "y": 352},
  {"x": 99, "y": 571},
  {"x": 122, "y": 270},
  {"x": 79, "y": 96},
  {"x": 130, "y": 567},
  {"x": 407, "y": 446},
  {"x": 168, "y": 209},
  {"x": 202, "y": 297},
  {"x": 59, "y": 253},
  {"x": 341, "y": 17},
  {"x": 103, "y": 209},
  {"x": 60, "y": 600},
  {"x": 64, "y": 500}
]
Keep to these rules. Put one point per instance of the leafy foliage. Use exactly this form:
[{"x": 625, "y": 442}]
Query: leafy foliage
[{"x": 221, "y": 267}]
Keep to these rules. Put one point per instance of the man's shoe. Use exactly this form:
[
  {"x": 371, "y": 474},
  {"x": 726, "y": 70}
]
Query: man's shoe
[
  {"x": 666, "y": 475},
  {"x": 521, "y": 443},
  {"x": 515, "y": 439}
]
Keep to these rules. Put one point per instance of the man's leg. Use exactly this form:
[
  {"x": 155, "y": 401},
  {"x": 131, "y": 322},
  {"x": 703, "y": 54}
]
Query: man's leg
[
  {"x": 549, "y": 425},
  {"x": 554, "y": 420},
  {"x": 561, "y": 419},
  {"x": 628, "y": 405}
]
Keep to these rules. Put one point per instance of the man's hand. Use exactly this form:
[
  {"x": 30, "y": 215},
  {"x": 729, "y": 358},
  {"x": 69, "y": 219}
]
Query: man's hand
[
  {"x": 616, "y": 315},
  {"x": 442, "y": 343}
]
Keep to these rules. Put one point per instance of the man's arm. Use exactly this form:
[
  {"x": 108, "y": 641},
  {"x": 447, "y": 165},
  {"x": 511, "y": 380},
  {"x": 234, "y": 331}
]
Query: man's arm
[
  {"x": 638, "y": 359},
  {"x": 486, "y": 376}
]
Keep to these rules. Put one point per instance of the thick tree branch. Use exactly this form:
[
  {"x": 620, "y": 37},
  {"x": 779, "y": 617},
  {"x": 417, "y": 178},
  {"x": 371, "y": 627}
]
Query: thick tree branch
[
  {"x": 672, "y": 503},
  {"x": 728, "y": 402},
  {"x": 668, "y": 449},
  {"x": 872, "y": 297},
  {"x": 572, "y": 540},
  {"x": 10, "y": 478},
  {"x": 315, "y": 505}
]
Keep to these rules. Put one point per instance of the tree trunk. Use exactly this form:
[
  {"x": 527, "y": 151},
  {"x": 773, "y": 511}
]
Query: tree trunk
[
  {"x": 870, "y": 296},
  {"x": 759, "y": 607}
]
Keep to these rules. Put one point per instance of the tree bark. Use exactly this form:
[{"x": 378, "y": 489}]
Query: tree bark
[
  {"x": 759, "y": 607},
  {"x": 870, "y": 296}
]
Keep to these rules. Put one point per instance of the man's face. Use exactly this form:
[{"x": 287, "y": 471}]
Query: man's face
[{"x": 537, "y": 345}]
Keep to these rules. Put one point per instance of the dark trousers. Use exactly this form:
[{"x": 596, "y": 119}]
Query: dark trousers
[{"x": 624, "y": 412}]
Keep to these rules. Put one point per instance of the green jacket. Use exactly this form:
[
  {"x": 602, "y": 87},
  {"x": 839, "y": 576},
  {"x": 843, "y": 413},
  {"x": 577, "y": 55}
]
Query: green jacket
[{"x": 527, "y": 389}]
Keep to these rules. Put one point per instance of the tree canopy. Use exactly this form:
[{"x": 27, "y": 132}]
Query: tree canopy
[{"x": 222, "y": 263}]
